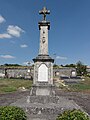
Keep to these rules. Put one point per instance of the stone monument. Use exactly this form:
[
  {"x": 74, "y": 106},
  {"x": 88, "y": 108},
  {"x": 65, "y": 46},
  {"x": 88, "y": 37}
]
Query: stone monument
[
  {"x": 43, "y": 63},
  {"x": 43, "y": 103}
]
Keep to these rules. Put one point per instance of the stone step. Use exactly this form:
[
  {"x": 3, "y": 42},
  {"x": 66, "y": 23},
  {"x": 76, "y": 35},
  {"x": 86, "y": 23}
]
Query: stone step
[
  {"x": 41, "y": 112},
  {"x": 44, "y": 99},
  {"x": 41, "y": 117}
]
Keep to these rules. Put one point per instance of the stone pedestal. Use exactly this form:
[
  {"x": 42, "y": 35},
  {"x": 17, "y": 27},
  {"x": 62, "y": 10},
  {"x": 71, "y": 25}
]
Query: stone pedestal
[
  {"x": 42, "y": 89},
  {"x": 43, "y": 70}
]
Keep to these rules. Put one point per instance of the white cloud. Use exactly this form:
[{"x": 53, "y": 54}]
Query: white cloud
[
  {"x": 5, "y": 35},
  {"x": 23, "y": 46},
  {"x": 14, "y": 31},
  {"x": 2, "y": 19},
  {"x": 7, "y": 56},
  {"x": 61, "y": 58},
  {"x": 11, "y": 31}
]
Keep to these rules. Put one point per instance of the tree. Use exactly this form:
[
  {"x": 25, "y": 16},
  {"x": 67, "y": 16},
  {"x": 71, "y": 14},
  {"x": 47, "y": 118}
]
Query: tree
[
  {"x": 55, "y": 66},
  {"x": 81, "y": 69},
  {"x": 70, "y": 65},
  {"x": 11, "y": 64}
]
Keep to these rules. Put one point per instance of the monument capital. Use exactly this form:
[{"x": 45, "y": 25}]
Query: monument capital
[{"x": 44, "y": 12}]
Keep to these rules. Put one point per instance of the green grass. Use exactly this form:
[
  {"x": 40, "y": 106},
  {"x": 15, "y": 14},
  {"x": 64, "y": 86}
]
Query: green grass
[
  {"x": 11, "y": 85},
  {"x": 83, "y": 86}
]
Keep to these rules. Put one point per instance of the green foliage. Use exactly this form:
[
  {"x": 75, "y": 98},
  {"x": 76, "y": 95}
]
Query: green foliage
[
  {"x": 55, "y": 66},
  {"x": 11, "y": 85},
  {"x": 81, "y": 69},
  {"x": 8, "y": 89},
  {"x": 11, "y": 64},
  {"x": 70, "y": 65},
  {"x": 81, "y": 86},
  {"x": 88, "y": 75},
  {"x": 12, "y": 113},
  {"x": 73, "y": 115}
]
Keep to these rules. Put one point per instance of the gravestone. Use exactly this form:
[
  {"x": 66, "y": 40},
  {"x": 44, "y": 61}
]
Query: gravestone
[
  {"x": 43, "y": 103},
  {"x": 43, "y": 63}
]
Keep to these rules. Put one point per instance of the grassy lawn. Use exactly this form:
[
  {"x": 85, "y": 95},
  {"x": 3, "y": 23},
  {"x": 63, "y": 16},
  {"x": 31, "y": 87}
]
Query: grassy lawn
[
  {"x": 83, "y": 86},
  {"x": 11, "y": 85}
]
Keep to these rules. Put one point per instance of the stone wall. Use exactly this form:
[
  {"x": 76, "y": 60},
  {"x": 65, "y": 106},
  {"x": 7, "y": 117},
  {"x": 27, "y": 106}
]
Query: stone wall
[
  {"x": 64, "y": 72},
  {"x": 28, "y": 72}
]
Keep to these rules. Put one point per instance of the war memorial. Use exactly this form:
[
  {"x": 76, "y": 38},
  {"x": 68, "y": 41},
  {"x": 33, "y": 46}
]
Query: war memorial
[{"x": 43, "y": 103}]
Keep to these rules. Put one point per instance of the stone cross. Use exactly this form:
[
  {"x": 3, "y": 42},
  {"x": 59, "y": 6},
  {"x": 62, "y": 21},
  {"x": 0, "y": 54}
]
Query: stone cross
[{"x": 44, "y": 12}]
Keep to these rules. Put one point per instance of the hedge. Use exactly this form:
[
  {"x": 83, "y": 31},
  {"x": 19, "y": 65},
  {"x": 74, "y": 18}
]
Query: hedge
[
  {"x": 73, "y": 115},
  {"x": 12, "y": 113}
]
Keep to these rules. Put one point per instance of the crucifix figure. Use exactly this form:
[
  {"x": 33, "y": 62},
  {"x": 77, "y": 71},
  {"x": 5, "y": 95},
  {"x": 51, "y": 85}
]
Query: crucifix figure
[{"x": 44, "y": 11}]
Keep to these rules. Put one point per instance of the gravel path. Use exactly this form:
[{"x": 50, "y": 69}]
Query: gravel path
[
  {"x": 7, "y": 99},
  {"x": 82, "y": 99}
]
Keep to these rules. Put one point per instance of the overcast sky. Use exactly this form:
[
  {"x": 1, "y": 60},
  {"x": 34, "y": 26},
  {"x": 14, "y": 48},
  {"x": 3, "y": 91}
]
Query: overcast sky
[{"x": 69, "y": 35}]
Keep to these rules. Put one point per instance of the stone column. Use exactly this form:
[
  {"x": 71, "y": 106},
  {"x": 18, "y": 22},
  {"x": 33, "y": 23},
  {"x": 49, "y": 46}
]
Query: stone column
[{"x": 43, "y": 40}]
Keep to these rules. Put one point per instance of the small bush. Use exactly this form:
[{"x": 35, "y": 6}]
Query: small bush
[
  {"x": 12, "y": 113},
  {"x": 73, "y": 115}
]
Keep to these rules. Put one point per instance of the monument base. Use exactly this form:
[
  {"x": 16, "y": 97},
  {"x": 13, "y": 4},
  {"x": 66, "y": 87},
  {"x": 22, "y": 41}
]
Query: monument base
[
  {"x": 42, "y": 89},
  {"x": 41, "y": 105},
  {"x": 43, "y": 94}
]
